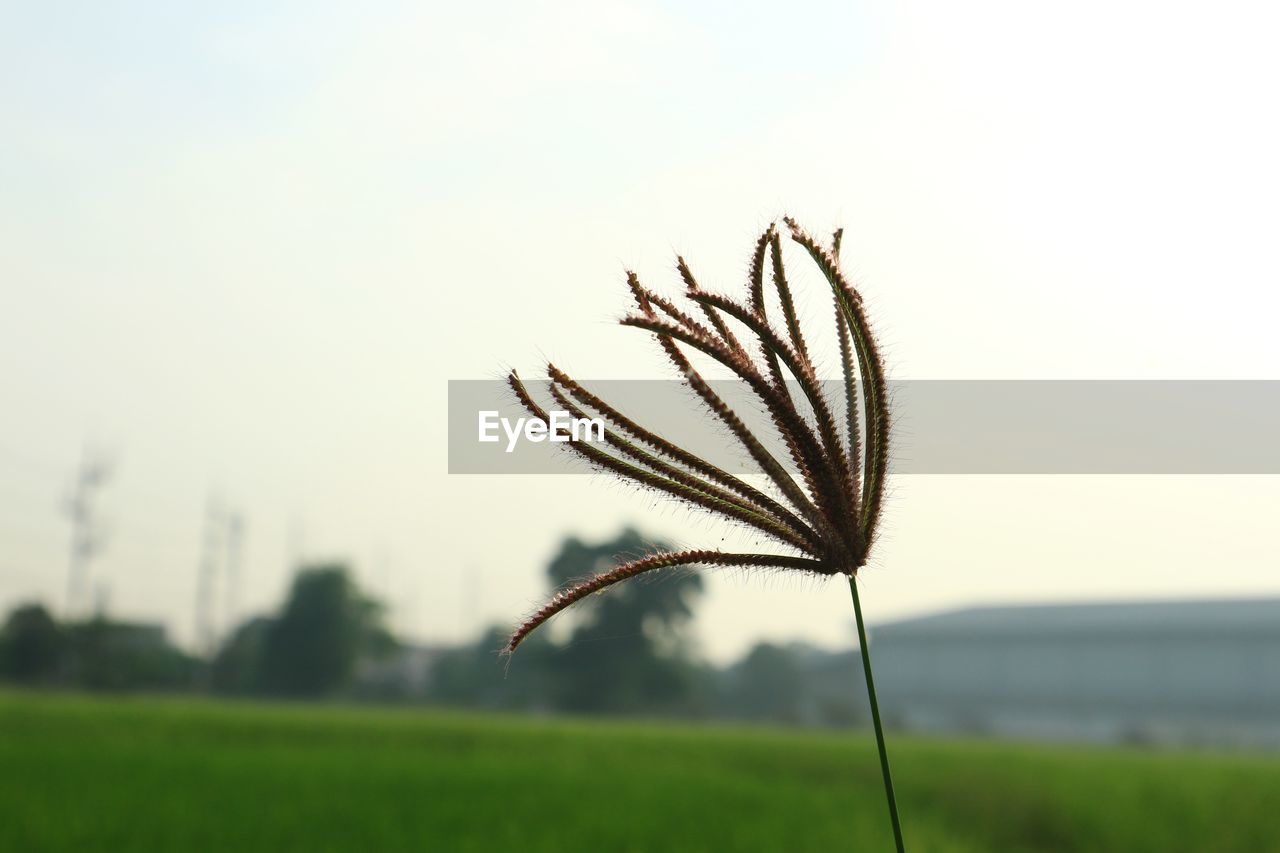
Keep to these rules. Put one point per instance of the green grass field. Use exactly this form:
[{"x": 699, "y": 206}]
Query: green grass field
[{"x": 82, "y": 774}]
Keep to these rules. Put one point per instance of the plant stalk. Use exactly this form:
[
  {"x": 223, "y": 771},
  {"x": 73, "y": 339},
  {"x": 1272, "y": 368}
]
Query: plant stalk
[{"x": 875, "y": 717}]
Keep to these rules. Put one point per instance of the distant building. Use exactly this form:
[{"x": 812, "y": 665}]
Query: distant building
[
  {"x": 405, "y": 673},
  {"x": 1194, "y": 671}
]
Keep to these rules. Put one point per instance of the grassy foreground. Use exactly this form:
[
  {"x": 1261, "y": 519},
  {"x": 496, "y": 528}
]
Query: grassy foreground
[{"x": 81, "y": 773}]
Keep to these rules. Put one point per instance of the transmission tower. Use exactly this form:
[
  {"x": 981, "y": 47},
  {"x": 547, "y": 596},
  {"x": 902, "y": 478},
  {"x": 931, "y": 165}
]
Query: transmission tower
[
  {"x": 207, "y": 577},
  {"x": 87, "y": 533},
  {"x": 218, "y": 569},
  {"x": 235, "y": 528}
]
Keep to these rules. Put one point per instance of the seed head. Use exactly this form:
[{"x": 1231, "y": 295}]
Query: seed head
[{"x": 826, "y": 519}]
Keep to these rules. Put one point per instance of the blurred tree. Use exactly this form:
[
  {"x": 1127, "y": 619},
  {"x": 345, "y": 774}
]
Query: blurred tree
[
  {"x": 628, "y": 650},
  {"x": 237, "y": 668},
  {"x": 108, "y": 655},
  {"x": 768, "y": 684},
  {"x": 32, "y": 646},
  {"x": 326, "y": 625}
]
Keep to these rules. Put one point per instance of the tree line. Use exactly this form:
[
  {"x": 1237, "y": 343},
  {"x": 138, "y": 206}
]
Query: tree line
[{"x": 628, "y": 652}]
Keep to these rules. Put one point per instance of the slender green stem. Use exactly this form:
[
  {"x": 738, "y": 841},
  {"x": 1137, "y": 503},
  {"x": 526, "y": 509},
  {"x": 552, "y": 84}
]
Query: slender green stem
[{"x": 875, "y": 717}]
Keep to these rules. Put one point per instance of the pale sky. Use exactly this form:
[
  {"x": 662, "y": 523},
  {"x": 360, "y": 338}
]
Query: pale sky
[{"x": 244, "y": 251}]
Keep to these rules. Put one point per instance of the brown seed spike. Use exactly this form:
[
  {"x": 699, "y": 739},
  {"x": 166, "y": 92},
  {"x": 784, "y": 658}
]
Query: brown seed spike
[
  {"x": 829, "y": 516},
  {"x": 580, "y": 590},
  {"x": 716, "y": 320}
]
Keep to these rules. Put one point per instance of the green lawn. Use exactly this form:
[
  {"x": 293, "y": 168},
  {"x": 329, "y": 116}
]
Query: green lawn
[{"x": 178, "y": 775}]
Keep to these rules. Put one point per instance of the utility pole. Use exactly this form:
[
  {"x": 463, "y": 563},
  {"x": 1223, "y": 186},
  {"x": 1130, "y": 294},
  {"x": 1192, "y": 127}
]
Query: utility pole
[{"x": 87, "y": 534}]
